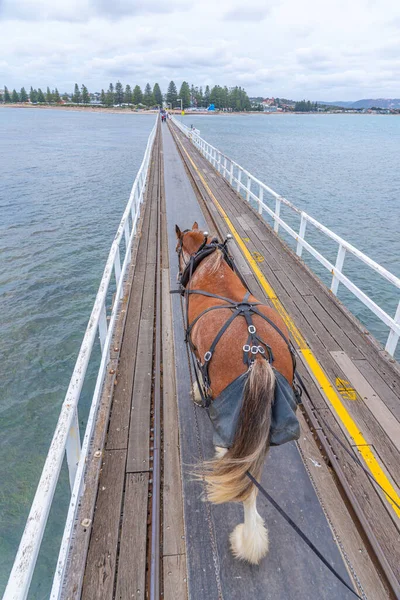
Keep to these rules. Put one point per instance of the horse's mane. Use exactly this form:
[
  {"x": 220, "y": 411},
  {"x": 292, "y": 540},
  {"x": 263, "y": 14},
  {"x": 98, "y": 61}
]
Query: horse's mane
[{"x": 215, "y": 264}]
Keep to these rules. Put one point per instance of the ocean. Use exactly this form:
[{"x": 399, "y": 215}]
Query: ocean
[{"x": 65, "y": 180}]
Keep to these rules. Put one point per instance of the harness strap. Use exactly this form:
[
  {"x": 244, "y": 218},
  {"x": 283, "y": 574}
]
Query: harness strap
[{"x": 208, "y": 355}]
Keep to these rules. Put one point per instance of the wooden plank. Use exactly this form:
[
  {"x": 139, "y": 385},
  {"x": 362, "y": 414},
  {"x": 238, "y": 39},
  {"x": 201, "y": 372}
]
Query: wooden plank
[
  {"x": 372, "y": 510},
  {"x": 175, "y": 578},
  {"x": 121, "y": 407},
  {"x": 99, "y": 577},
  {"x": 139, "y": 429},
  {"x": 173, "y": 528},
  {"x": 341, "y": 519},
  {"x": 389, "y": 395},
  {"x": 131, "y": 575},
  {"x": 378, "y": 408}
]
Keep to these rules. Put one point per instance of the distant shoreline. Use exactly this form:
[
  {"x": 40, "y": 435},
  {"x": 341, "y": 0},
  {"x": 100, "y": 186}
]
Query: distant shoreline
[{"x": 131, "y": 111}]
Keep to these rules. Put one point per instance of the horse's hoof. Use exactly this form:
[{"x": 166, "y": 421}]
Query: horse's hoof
[{"x": 250, "y": 546}]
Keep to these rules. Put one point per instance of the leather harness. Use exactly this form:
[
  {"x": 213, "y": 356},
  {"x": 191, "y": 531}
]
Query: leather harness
[{"x": 254, "y": 344}]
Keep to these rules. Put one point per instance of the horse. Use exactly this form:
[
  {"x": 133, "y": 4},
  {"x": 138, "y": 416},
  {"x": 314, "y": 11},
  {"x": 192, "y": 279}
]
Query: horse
[{"x": 243, "y": 350}]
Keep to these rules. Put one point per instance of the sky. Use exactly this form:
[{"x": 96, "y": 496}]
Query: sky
[{"x": 313, "y": 49}]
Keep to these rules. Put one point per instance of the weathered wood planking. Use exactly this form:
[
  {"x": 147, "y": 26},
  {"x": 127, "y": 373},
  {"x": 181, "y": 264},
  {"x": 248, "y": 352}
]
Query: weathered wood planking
[
  {"x": 173, "y": 529},
  {"x": 341, "y": 519},
  {"x": 131, "y": 576},
  {"x": 119, "y": 421},
  {"x": 175, "y": 577},
  {"x": 98, "y": 583},
  {"x": 319, "y": 328}
]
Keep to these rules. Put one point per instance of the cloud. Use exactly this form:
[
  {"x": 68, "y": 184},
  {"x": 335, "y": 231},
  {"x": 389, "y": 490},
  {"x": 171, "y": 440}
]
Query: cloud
[
  {"x": 279, "y": 49},
  {"x": 81, "y": 11},
  {"x": 250, "y": 13}
]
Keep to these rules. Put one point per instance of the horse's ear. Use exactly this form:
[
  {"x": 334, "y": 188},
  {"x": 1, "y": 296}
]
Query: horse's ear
[
  {"x": 195, "y": 225},
  {"x": 178, "y": 232}
]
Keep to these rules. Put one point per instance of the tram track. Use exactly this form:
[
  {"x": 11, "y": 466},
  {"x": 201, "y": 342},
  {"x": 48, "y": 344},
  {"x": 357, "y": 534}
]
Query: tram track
[
  {"x": 321, "y": 437},
  {"x": 154, "y": 566}
]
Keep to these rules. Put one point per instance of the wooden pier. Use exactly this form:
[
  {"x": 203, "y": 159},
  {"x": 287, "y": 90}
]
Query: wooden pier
[{"x": 349, "y": 510}]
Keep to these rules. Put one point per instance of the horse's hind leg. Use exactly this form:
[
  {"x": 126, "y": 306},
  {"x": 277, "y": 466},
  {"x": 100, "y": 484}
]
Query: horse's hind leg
[{"x": 249, "y": 540}]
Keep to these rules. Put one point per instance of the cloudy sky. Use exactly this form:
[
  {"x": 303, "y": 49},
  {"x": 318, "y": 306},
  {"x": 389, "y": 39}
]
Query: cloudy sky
[{"x": 335, "y": 50}]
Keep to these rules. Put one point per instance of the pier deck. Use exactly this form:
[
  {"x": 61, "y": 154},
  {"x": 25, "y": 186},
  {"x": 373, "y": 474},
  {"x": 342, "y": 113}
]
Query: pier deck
[{"x": 353, "y": 389}]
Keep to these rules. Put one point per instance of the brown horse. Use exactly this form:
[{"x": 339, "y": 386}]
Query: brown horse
[{"x": 226, "y": 474}]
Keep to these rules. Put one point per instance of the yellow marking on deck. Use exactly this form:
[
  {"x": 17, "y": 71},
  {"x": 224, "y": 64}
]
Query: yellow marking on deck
[
  {"x": 258, "y": 257},
  {"x": 345, "y": 390},
  {"x": 246, "y": 239},
  {"x": 313, "y": 364}
]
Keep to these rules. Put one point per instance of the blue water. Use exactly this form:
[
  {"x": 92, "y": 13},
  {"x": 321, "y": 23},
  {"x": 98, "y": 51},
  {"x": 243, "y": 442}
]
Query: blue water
[
  {"x": 341, "y": 169},
  {"x": 65, "y": 180}
]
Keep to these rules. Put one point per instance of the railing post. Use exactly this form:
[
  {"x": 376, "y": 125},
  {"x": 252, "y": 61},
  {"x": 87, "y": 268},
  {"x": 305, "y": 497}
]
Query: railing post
[
  {"x": 239, "y": 180},
  {"x": 225, "y": 167},
  {"x": 393, "y": 338},
  {"x": 302, "y": 233},
  {"x": 127, "y": 233},
  {"x": 73, "y": 448},
  {"x": 102, "y": 326},
  {"x": 338, "y": 266},
  {"x": 248, "y": 188},
  {"x": 277, "y": 213},
  {"x": 260, "y": 199},
  {"x": 117, "y": 268},
  {"x": 219, "y": 162},
  {"x": 231, "y": 174}
]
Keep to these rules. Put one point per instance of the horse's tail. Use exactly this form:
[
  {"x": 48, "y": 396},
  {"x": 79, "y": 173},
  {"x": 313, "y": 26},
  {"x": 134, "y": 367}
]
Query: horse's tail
[{"x": 226, "y": 477}]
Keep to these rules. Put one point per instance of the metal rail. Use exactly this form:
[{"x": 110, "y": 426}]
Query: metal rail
[
  {"x": 66, "y": 436},
  {"x": 156, "y": 486},
  {"x": 254, "y": 189}
]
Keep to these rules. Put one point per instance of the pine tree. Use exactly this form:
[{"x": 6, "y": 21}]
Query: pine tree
[
  {"x": 65, "y": 97},
  {"x": 158, "y": 97},
  {"x": 7, "y": 97},
  {"x": 40, "y": 96},
  {"x": 15, "y": 96},
  {"x": 49, "y": 96},
  {"x": 148, "y": 98},
  {"x": 128, "y": 98},
  {"x": 1, "y": 97},
  {"x": 85, "y": 95},
  {"x": 33, "y": 95},
  {"x": 172, "y": 94},
  {"x": 119, "y": 93},
  {"x": 76, "y": 96},
  {"x": 137, "y": 95},
  {"x": 207, "y": 96},
  {"x": 23, "y": 96},
  {"x": 56, "y": 96},
  {"x": 200, "y": 97},
  {"x": 110, "y": 96},
  {"x": 184, "y": 94},
  {"x": 103, "y": 97}
]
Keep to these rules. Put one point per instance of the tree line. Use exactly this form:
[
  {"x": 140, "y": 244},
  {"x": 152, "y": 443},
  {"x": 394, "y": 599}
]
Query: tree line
[
  {"x": 224, "y": 98},
  {"x": 306, "y": 106}
]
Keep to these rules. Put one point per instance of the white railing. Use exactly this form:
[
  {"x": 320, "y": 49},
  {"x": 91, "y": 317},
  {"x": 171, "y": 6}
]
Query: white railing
[
  {"x": 244, "y": 182},
  {"x": 66, "y": 438}
]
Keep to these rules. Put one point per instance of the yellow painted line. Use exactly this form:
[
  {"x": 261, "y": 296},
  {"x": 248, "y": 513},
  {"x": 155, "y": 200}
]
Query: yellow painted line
[{"x": 309, "y": 357}]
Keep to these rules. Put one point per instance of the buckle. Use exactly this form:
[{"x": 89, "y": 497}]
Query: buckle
[
  {"x": 246, "y": 348},
  {"x": 251, "y": 329},
  {"x": 261, "y": 350},
  {"x": 254, "y": 349},
  {"x": 207, "y": 356}
]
